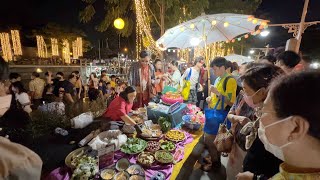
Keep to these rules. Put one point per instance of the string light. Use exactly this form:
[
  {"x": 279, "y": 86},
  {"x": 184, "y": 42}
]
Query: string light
[
  {"x": 192, "y": 26},
  {"x": 214, "y": 22},
  {"x": 255, "y": 21},
  {"x": 16, "y": 42},
  {"x": 226, "y": 24},
  {"x": 66, "y": 51},
  {"x": 42, "y": 47},
  {"x": 6, "y": 47},
  {"x": 143, "y": 26},
  {"x": 77, "y": 48},
  {"x": 54, "y": 47}
]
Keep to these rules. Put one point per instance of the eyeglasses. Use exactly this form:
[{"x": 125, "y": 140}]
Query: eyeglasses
[{"x": 259, "y": 112}]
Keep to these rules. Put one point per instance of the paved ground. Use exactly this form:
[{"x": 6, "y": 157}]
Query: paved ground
[{"x": 191, "y": 170}]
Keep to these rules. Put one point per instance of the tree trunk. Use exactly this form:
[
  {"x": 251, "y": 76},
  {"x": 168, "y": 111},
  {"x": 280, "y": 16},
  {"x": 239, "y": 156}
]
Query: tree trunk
[{"x": 162, "y": 13}]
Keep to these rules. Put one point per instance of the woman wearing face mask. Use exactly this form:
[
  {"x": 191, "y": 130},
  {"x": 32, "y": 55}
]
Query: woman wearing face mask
[
  {"x": 258, "y": 162},
  {"x": 290, "y": 127},
  {"x": 22, "y": 97},
  {"x": 239, "y": 114},
  {"x": 120, "y": 107}
]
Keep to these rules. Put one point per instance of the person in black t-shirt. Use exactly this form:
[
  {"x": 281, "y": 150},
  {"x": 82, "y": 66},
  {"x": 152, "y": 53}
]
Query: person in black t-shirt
[
  {"x": 69, "y": 89},
  {"x": 59, "y": 84}
]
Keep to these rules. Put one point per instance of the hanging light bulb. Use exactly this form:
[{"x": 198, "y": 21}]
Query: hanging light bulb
[
  {"x": 192, "y": 26},
  {"x": 226, "y": 24},
  {"x": 255, "y": 21},
  {"x": 250, "y": 18},
  {"x": 214, "y": 22},
  {"x": 181, "y": 29}
]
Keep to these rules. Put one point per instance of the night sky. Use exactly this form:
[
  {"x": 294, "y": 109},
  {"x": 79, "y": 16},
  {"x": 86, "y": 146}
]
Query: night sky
[{"x": 31, "y": 14}]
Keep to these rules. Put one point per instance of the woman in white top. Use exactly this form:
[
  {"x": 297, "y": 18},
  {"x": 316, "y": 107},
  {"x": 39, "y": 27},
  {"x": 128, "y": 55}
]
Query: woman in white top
[
  {"x": 174, "y": 79},
  {"x": 22, "y": 97}
]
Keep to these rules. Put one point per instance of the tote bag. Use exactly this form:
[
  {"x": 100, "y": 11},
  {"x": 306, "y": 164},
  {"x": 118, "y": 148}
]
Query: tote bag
[
  {"x": 186, "y": 88},
  {"x": 214, "y": 118}
]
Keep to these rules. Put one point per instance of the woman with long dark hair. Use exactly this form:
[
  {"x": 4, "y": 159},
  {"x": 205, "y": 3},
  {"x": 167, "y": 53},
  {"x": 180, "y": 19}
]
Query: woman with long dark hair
[
  {"x": 159, "y": 75},
  {"x": 120, "y": 107}
]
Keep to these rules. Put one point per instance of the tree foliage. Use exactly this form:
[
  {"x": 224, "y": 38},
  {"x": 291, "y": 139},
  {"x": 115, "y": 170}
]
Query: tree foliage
[
  {"x": 233, "y": 6},
  {"x": 113, "y": 10},
  {"x": 173, "y": 11}
]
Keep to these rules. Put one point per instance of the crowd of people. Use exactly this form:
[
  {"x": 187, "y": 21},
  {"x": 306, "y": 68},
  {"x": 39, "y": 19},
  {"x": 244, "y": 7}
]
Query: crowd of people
[{"x": 271, "y": 106}]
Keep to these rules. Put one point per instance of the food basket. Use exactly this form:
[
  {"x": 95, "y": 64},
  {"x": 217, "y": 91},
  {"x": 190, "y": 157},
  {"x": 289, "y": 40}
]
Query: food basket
[
  {"x": 163, "y": 157},
  {"x": 78, "y": 152},
  {"x": 140, "y": 161}
]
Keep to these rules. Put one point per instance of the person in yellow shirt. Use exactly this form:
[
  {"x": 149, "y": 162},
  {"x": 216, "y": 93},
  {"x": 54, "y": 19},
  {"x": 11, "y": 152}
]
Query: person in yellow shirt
[
  {"x": 222, "y": 96},
  {"x": 113, "y": 81}
]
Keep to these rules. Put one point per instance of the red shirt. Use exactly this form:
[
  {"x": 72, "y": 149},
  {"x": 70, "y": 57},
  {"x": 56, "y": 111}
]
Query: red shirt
[{"x": 117, "y": 108}]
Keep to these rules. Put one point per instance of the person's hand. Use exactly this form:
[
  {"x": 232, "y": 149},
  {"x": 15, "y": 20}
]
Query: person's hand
[
  {"x": 245, "y": 176},
  {"x": 214, "y": 90},
  {"x": 49, "y": 73},
  {"x": 208, "y": 99},
  {"x": 244, "y": 120}
]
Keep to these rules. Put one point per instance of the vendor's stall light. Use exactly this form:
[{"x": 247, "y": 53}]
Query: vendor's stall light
[
  {"x": 315, "y": 65},
  {"x": 118, "y": 23},
  {"x": 182, "y": 29},
  {"x": 255, "y": 21},
  {"x": 226, "y": 24},
  {"x": 264, "y": 33},
  {"x": 125, "y": 49},
  {"x": 251, "y": 51},
  {"x": 250, "y": 18},
  {"x": 195, "y": 41},
  {"x": 246, "y": 36},
  {"x": 38, "y": 70},
  {"x": 233, "y": 40},
  {"x": 174, "y": 51},
  {"x": 214, "y": 22},
  {"x": 192, "y": 26}
]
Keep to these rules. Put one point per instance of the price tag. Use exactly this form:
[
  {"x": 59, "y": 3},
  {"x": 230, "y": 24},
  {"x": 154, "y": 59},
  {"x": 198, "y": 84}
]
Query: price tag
[{"x": 106, "y": 156}]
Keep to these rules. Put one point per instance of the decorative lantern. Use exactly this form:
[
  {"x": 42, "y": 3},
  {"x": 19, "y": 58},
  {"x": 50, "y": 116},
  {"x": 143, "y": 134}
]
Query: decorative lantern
[{"x": 119, "y": 23}]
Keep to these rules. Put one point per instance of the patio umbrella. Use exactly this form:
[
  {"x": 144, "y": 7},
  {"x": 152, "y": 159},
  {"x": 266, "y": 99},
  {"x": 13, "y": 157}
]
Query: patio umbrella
[
  {"x": 208, "y": 29},
  {"x": 238, "y": 58}
]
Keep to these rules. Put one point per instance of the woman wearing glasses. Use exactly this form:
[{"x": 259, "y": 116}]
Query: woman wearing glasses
[{"x": 258, "y": 162}]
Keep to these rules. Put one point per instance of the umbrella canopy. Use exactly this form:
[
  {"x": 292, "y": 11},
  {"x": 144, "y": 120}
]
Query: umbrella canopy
[
  {"x": 208, "y": 29},
  {"x": 238, "y": 58}
]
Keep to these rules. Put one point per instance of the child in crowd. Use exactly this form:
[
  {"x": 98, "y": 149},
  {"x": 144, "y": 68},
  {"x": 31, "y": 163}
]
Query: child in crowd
[{"x": 113, "y": 81}]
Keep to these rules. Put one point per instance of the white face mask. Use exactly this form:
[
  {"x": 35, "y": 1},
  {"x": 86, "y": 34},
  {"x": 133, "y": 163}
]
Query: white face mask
[
  {"x": 275, "y": 150},
  {"x": 5, "y": 102}
]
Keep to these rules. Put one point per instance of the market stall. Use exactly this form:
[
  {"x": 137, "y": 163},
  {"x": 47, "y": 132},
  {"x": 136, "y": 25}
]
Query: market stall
[{"x": 159, "y": 152}]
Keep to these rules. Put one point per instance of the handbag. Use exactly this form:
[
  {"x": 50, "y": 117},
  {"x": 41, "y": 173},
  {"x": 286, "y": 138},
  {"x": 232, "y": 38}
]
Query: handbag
[
  {"x": 224, "y": 139},
  {"x": 214, "y": 118},
  {"x": 186, "y": 88}
]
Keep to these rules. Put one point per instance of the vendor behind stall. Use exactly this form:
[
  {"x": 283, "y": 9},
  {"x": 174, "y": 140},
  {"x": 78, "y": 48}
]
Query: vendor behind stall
[{"x": 120, "y": 107}]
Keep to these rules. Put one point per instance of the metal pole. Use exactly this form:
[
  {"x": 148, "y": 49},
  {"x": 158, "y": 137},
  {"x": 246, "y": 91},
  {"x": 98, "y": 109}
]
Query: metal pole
[
  {"x": 301, "y": 26},
  {"x": 99, "y": 50}
]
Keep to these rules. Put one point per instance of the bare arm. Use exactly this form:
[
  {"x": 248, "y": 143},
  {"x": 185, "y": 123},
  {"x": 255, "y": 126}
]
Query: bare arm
[
  {"x": 127, "y": 120},
  {"x": 69, "y": 97}
]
